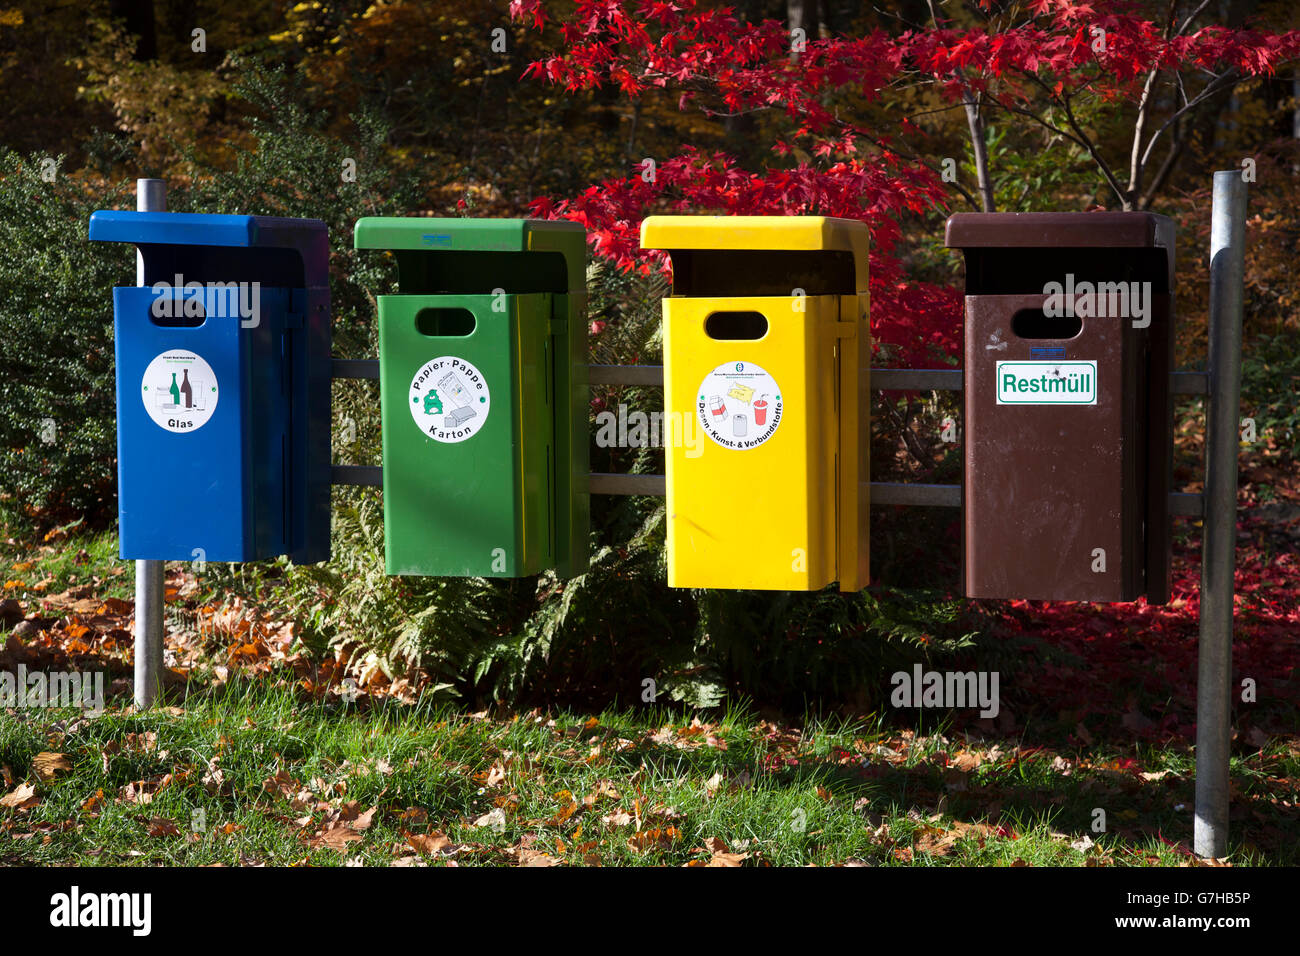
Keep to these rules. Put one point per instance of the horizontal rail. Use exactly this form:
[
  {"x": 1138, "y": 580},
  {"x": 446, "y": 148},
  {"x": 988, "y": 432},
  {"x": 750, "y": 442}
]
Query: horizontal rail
[
  {"x": 1189, "y": 505},
  {"x": 882, "y": 492},
  {"x": 355, "y": 368},
  {"x": 916, "y": 379},
  {"x": 934, "y": 496},
  {"x": 882, "y": 379},
  {"x": 371, "y": 476},
  {"x": 652, "y": 375},
  {"x": 607, "y": 484},
  {"x": 1189, "y": 383}
]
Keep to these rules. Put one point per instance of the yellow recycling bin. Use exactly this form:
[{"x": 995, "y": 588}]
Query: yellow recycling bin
[{"x": 766, "y": 388}]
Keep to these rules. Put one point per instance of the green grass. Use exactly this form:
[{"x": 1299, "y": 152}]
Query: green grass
[
  {"x": 821, "y": 791},
  {"x": 88, "y": 559},
  {"x": 821, "y": 796}
]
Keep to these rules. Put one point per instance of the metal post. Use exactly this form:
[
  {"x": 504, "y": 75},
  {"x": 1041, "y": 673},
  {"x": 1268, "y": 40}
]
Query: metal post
[
  {"x": 1218, "y": 547},
  {"x": 150, "y": 196}
]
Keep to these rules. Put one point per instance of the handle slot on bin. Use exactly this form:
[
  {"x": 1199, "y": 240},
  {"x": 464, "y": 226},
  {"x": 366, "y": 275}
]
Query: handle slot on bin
[
  {"x": 449, "y": 323},
  {"x": 175, "y": 313},
  {"x": 735, "y": 326},
  {"x": 1037, "y": 324}
]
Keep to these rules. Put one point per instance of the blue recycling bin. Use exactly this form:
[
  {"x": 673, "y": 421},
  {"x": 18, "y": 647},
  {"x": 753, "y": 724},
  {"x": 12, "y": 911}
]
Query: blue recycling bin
[{"x": 223, "y": 387}]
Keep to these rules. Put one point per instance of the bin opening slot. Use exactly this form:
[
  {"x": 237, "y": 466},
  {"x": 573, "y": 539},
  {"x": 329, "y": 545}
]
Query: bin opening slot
[
  {"x": 268, "y": 266},
  {"x": 445, "y": 322},
  {"x": 171, "y": 311},
  {"x": 755, "y": 272},
  {"x": 735, "y": 325},
  {"x": 476, "y": 272},
  {"x": 1029, "y": 270},
  {"x": 1036, "y": 324}
]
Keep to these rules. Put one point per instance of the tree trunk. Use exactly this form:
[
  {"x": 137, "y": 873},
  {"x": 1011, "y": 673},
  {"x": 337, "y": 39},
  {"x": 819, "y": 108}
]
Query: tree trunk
[
  {"x": 802, "y": 15},
  {"x": 975, "y": 120}
]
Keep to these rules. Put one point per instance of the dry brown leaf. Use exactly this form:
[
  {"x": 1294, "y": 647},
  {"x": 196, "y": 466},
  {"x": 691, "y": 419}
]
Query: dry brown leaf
[
  {"x": 429, "y": 843},
  {"x": 536, "y": 858},
  {"x": 722, "y": 855},
  {"x": 647, "y": 839},
  {"x": 1158, "y": 775},
  {"x": 23, "y": 797},
  {"x": 493, "y": 818},
  {"x": 336, "y": 837},
  {"x": 281, "y": 783},
  {"x": 967, "y": 760},
  {"x": 364, "y": 820},
  {"x": 47, "y": 765},
  {"x": 604, "y": 791},
  {"x": 163, "y": 827}
]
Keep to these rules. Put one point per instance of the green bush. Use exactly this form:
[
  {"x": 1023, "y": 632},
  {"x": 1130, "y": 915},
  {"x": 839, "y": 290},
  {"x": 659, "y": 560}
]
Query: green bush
[
  {"x": 57, "y": 434},
  {"x": 1269, "y": 376}
]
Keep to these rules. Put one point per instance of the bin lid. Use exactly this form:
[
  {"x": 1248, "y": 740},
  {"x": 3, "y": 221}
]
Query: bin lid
[
  {"x": 308, "y": 237},
  {"x": 1063, "y": 230},
  {"x": 1019, "y": 230},
  {"x": 479, "y": 235},
  {"x": 761, "y": 233}
]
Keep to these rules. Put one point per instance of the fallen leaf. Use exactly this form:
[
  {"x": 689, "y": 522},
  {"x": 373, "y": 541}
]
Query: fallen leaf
[
  {"x": 161, "y": 827},
  {"x": 647, "y": 839},
  {"x": 536, "y": 858},
  {"x": 23, "y": 797},
  {"x": 47, "y": 765},
  {"x": 722, "y": 855},
  {"x": 336, "y": 837},
  {"x": 496, "y": 819},
  {"x": 364, "y": 820},
  {"x": 428, "y": 843}
]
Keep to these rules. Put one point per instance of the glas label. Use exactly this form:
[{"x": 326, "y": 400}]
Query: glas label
[{"x": 179, "y": 391}]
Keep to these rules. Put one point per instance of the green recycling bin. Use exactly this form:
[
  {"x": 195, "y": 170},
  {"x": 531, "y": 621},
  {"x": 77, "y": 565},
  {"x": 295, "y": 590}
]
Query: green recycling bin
[{"x": 483, "y": 396}]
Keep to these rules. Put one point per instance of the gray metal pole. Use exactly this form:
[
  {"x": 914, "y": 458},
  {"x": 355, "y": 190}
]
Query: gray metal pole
[
  {"x": 1218, "y": 547},
  {"x": 150, "y": 196}
]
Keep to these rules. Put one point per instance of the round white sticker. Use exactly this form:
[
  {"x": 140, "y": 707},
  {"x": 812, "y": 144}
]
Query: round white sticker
[
  {"x": 450, "y": 399},
  {"x": 179, "y": 391},
  {"x": 739, "y": 405}
]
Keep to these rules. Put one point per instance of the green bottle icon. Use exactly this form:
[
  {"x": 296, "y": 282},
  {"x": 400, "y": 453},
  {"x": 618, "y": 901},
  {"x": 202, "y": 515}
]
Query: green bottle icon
[
  {"x": 175, "y": 390},
  {"x": 432, "y": 406}
]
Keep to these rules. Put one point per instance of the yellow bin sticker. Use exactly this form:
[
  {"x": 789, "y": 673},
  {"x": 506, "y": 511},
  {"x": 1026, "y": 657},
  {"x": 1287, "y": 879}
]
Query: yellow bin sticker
[{"x": 739, "y": 405}]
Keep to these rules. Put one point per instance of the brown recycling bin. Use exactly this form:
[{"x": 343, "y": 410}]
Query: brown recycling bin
[{"x": 1068, "y": 432}]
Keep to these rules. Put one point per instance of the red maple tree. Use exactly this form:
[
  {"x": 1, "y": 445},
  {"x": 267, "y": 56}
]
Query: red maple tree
[{"x": 1037, "y": 62}]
